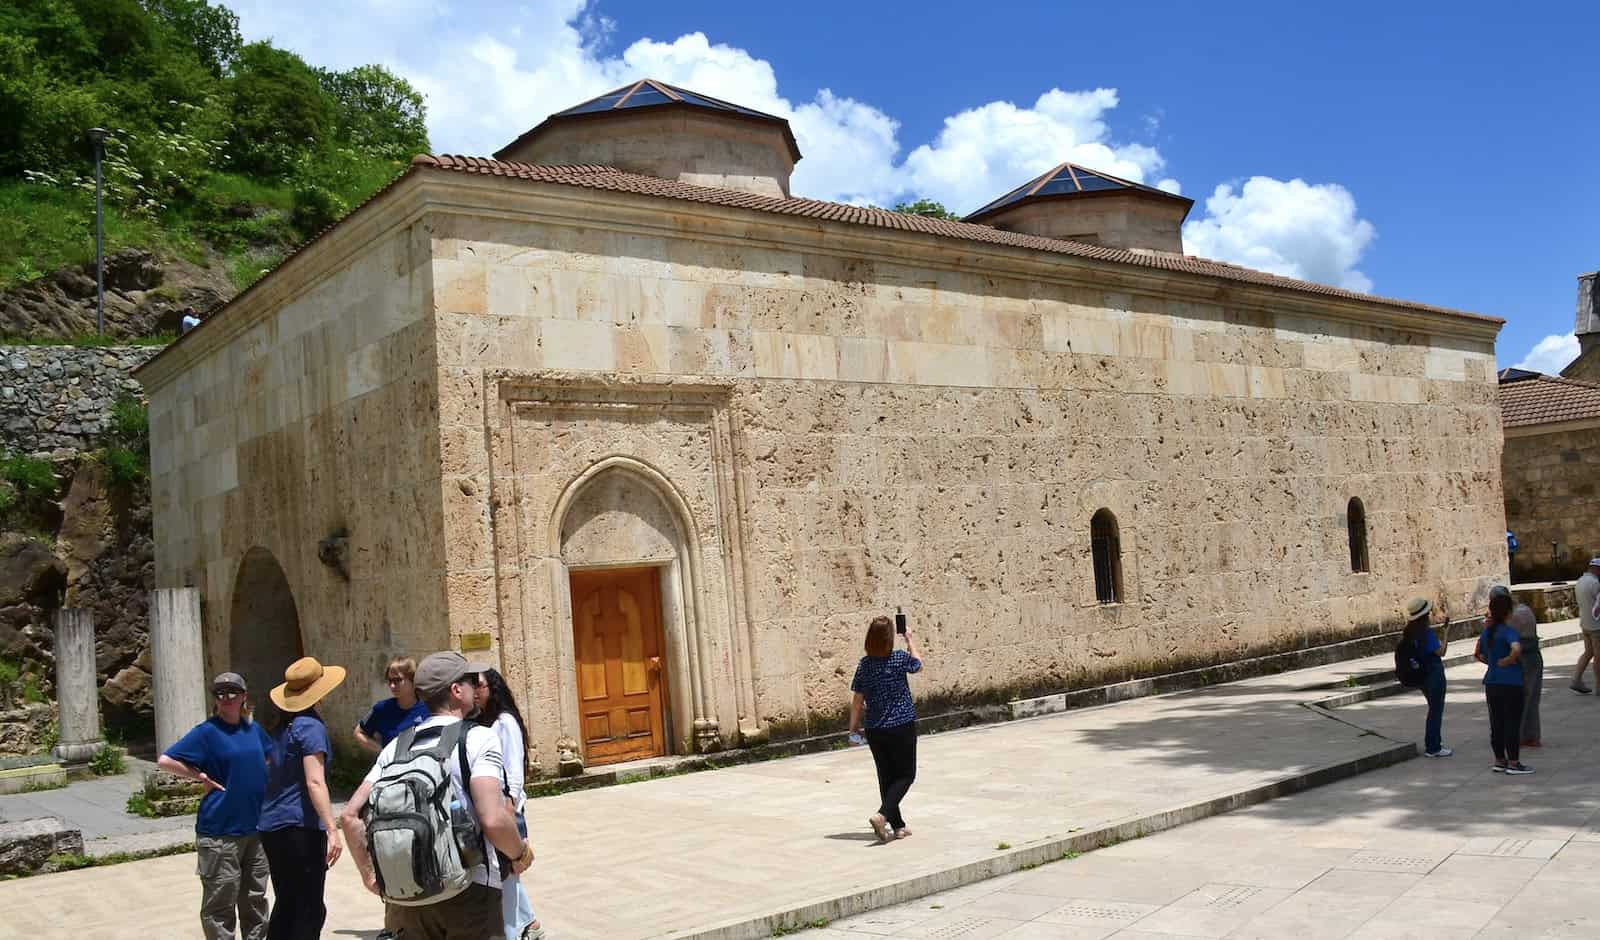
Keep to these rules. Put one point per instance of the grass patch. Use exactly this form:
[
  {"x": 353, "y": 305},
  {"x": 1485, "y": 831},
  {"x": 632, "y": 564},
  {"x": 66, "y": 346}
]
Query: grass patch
[
  {"x": 1001, "y": 846},
  {"x": 72, "y": 861},
  {"x": 48, "y": 228},
  {"x": 89, "y": 340},
  {"x": 248, "y": 267},
  {"x": 108, "y": 762},
  {"x": 40, "y": 786},
  {"x": 139, "y": 805}
]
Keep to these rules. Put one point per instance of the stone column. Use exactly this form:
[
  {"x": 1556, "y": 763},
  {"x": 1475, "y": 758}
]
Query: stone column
[
  {"x": 179, "y": 682},
  {"x": 77, "y": 691}
]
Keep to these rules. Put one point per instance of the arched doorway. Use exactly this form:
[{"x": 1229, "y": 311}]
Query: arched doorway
[
  {"x": 264, "y": 629},
  {"x": 634, "y": 632}
]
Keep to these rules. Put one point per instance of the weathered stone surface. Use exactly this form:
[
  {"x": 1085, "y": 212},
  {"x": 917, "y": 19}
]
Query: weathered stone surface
[
  {"x": 832, "y": 427},
  {"x": 59, "y": 398},
  {"x": 27, "y": 844},
  {"x": 1551, "y": 484},
  {"x": 29, "y": 571},
  {"x": 26, "y": 729}
]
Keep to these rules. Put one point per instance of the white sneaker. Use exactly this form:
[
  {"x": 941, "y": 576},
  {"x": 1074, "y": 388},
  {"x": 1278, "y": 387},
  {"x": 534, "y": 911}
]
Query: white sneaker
[{"x": 1441, "y": 752}]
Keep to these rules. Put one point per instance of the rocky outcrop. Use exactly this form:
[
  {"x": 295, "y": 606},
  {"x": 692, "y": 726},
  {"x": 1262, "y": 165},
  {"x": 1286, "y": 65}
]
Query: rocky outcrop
[
  {"x": 102, "y": 558},
  {"x": 144, "y": 297}
]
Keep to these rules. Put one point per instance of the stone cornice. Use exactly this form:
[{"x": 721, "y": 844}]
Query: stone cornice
[
  {"x": 421, "y": 192},
  {"x": 557, "y": 204},
  {"x": 399, "y": 206}
]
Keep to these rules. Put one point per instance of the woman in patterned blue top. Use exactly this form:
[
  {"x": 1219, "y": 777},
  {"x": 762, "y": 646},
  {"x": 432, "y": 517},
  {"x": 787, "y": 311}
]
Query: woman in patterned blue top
[{"x": 883, "y": 698}]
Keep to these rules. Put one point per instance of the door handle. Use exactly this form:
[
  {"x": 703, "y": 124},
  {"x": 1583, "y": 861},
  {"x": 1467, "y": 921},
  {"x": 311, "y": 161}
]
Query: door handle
[{"x": 653, "y": 666}]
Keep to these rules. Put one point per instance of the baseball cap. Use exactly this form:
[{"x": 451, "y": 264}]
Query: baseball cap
[
  {"x": 438, "y": 670},
  {"x": 229, "y": 680}
]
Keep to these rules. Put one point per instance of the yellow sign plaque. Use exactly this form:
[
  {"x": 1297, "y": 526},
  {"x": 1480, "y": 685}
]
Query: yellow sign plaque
[{"x": 474, "y": 642}]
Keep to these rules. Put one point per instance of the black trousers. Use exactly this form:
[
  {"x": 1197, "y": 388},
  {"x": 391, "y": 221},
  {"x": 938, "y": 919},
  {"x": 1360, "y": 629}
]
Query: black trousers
[
  {"x": 1505, "y": 721},
  {"x": 297, "y": 859},
  {"x": 894, "y": 753}
]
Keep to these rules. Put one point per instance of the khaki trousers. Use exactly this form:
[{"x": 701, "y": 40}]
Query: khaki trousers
[
  {"x": 233, "y": 880},
  {"x": 474, "y": 914}
]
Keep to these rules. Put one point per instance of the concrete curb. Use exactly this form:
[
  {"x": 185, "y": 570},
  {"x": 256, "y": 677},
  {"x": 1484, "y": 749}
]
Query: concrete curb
[{"x": 1052, "y": 849}]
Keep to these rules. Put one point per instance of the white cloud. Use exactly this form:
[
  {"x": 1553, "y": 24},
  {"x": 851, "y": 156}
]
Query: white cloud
[
  {"x": 1294, "y": 228},
  {"x": 987, "y": 151},
  {"x": 1551, "y": 354},
  {"x": 499, "y": 71}
]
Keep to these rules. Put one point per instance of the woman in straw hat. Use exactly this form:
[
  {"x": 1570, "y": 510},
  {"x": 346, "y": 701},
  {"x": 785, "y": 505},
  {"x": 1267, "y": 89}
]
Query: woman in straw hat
[
  {"x": 297, "y": 824},
  {"x": 1428, "y": 648}
]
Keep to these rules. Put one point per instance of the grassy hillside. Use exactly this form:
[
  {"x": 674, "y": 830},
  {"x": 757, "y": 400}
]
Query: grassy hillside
[{"x": 220, "y": 152}]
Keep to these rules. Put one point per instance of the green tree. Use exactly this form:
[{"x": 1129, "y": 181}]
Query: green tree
[
  {"x": 279, "y": 111},
  {"x": 211, "y": 31},
  {"x": 927, "y": 207},
  {"x": 377, "y": 112}
]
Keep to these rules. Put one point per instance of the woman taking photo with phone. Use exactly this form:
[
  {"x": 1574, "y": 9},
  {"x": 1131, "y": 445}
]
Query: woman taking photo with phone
[{"x": 883, "y": 704}]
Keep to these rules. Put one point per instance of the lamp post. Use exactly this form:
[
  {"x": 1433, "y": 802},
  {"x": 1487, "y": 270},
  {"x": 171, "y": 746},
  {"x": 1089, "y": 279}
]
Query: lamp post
[{"x": 98, "y": 135}]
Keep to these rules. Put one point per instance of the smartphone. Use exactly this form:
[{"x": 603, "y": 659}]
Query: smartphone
[{"x": 899, "y": 621}]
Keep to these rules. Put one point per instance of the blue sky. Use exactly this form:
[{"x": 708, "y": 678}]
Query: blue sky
[{"x": 1447, "y": 153}]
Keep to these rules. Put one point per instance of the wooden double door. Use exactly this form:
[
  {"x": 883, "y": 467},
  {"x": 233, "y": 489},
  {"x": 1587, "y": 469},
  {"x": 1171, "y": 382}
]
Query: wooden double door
[{"x": 616, "y": 623}]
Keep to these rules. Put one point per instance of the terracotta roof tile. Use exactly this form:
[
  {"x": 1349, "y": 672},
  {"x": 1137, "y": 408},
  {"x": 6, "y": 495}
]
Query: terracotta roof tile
[
  {"x": 608, "y": 178},
  {"x": 1546, "y": 399}
]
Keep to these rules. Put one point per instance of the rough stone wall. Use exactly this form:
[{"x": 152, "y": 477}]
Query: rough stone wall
[
  {"x": 57, "y": 399},
  {"x": 321, "y": 416},
  {"x": 1550, "y": 486},
  {"x": 939, "y": 438}
]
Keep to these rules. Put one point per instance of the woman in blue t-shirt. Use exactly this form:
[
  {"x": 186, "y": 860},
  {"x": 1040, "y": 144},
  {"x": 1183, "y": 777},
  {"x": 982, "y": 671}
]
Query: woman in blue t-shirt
[
  {"x": 883, "y": 698},
  {"x": 1499, "y": 648},
  {"x": 393, "y": 715},
  {"x": 227, "y": 754},
  {"x": 297, "y": 826},
  {"x": 1430, "y": 649}
]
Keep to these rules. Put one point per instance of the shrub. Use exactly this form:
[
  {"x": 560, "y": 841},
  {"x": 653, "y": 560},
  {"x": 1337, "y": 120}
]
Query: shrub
[
  {"x": 31, "y": 477},
  {"x": 130, "y": 420},
  {"x": 316, "y": 208},
  {"x": 139, "y": 805},
  {"x": 126, "y": 467},
  {"x": 107, "y": 762}
]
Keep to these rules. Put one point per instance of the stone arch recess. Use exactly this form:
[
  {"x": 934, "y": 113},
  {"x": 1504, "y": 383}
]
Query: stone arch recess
[
  {"x": 691, "y": 704},
  {"x": 263, "y": 627}
]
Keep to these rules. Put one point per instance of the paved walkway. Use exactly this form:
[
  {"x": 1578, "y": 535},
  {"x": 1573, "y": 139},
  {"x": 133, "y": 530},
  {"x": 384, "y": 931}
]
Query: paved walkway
[
  {"x": 98, "y": 808},
  {"x": 1427, "y": 849},
  {"x": 675, "y": 857}
]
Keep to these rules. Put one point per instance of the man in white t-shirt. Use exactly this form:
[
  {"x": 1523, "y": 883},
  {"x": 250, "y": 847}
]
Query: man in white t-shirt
[
  {"x": 447, "y": 682},
  {"x": 1588, "y": 590}
]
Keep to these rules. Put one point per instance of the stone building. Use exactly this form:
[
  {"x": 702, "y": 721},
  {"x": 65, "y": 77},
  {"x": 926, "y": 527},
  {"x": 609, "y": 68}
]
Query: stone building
[
  {"x": 1551, "y": 468},
  {"x": 1587, "y": 328},
  {"x": 662, "y": 438}
]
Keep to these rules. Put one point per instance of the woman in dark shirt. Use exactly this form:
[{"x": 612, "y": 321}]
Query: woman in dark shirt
[
  {"x": 1429, "y": 652},
  {"x": 883, "y": 699},
  {"x": 1499, "y": 648},
  {"x": 297, "y": 827}
]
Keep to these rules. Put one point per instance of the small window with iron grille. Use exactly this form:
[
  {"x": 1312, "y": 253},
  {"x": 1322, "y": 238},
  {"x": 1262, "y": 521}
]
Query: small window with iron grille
[
  {"x": 1356, "y": 522},
  {"x": 1106, "y": 546}
]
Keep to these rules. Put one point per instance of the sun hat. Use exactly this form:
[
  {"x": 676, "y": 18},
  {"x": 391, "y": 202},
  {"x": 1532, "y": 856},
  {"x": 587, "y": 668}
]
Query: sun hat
[
  {"x": 438, "y": 670},
  {"x": 306, "y": 681},
  {"x": 229, "y": 682},
  {"x": 1418, "y": 607}
]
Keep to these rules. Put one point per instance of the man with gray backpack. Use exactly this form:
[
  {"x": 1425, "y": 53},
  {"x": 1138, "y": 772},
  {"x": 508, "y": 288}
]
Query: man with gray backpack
[{"x": 424, "y": 826}]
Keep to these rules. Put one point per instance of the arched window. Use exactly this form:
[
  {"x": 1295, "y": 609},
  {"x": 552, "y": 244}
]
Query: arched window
[
  {"x": 1106, "y": 547},
  {"x": 1356, "y": 520}
]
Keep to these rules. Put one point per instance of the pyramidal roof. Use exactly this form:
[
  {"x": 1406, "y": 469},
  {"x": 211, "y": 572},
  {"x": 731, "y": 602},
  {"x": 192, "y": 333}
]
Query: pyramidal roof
[
  {"x": 1066, "y": 180},
  {"x": 649, "y": 93}
]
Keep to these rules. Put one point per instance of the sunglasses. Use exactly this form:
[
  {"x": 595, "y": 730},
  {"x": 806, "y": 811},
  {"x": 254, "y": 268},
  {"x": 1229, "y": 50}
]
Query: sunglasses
[{"x": 228, "y": 696}]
